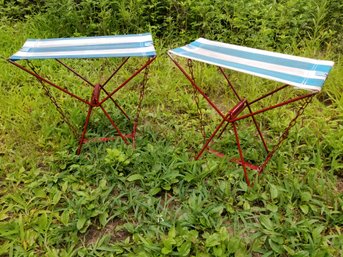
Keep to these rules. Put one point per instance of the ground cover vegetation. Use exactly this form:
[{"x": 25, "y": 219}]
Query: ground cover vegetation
[{"x": 155, "y": 200}]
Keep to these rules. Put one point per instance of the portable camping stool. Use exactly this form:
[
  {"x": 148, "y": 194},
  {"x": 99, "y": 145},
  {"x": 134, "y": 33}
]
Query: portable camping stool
[
  {"x": 302, "y": 73},
  {"x": 123, "y": 46}
]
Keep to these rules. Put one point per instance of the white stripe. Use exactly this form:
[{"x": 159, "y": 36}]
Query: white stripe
[
  {"x": 86, "y": 53},
  {"x": 86, "y": 41},
  {"x": 253, "y": 73},
  {"x": 252, "y": 63},
  {"x": 264, "y": 52}
]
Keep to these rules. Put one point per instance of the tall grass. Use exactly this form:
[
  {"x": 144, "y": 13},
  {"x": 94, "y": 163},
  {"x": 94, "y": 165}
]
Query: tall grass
[
  {"x": 155, "y": 200},
  {"x": 280, "y": 25}
]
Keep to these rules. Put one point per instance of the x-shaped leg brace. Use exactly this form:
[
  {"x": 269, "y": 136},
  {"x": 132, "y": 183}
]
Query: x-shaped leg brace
[
  {"x": 95, "y": 98},
  {"x": 234, "y": 115}
]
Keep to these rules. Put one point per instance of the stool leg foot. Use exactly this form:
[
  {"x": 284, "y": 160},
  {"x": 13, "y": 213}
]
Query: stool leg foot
[{"x": 241, "y": 154}]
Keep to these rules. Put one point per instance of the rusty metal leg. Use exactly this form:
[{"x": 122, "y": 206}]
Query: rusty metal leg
[
  {"x": 115, "y": 103},
  {"x": 114, "y": 125},
  {"x": 121, "y": 110},
  {"x": 75, "y": 73},
  {"x": 221, "y": 132},
  {"x": 212, "y": 136},
  {"x": 274, "y": 106},
  {"x": 233, "y": 113},
  {"x": 230, "y": 84},
  {"x": 241, "y": 154},
  {"x": 258, "y": 129},
  {"x": 84, "y": 130},
  {"x": 40, "y": 78},
  {"x": 128, "y": 80},
  {"x": 194, "y": 85},
  {"x": 115, "y": 71}
]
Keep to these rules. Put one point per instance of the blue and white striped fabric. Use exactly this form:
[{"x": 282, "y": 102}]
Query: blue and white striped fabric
[
  {"x": 300, "y": 72},
  {"x": 87, "y": 47}
]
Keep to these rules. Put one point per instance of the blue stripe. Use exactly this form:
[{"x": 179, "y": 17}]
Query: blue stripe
[
  {"x": 142, "y": 54},
  {"x": 277, "y": 75},
  {"x": 264, "y": 58},
  {"x": 86, "y": 47},
  {"x": 82, "y": 38}
]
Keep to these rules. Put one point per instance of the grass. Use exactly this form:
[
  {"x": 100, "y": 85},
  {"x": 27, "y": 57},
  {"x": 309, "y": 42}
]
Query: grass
[{"x": 155, "y": 200}]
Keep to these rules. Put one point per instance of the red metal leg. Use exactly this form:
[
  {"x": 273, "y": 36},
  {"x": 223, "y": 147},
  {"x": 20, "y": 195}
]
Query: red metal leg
[
  {"x": 234, "y": 112},
  {"x": 212, "y": 136},
  {"x": 241, "y": 154},
  {"x": 49, "y": 82},
  {"x": 115, "y": 71},
  {"x": 268, "y": 94},
  {"x": 258, "y": 129},
  {"x": 84, "y": 130},
  {"x": 114, "y": 125},
  {"x": 274, "y": 106},
  {"x": 197, "y": 87},
  {"x": 128, "y": 80},
  {"x": 75, "y": 73},
  {"x": 248, "y": 105},
  {"x": 230, "y": 84},
  {"x": 115, "y": 103}
]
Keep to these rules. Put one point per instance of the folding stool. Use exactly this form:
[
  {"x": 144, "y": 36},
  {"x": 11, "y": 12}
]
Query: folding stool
[
  {"x": 302, "y": 73},
  {"x": 117, "y": 46}
]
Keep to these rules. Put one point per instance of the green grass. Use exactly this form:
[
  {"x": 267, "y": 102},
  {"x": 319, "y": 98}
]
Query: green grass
[{"x": 155, "y": 200}]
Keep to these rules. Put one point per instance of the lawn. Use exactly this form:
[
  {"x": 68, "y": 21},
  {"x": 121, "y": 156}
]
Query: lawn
[{"x": 155, "y": 199}]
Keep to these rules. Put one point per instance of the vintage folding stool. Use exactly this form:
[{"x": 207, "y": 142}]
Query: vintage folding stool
[
  {"x": 120, "y": 46},
  {"x": 302, "y": 73}
]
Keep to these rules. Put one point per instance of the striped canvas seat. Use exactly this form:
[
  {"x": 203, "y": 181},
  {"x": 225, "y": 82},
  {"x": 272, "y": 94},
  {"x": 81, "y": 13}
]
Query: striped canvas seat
[
  {"x": 300, "y": 72},
  {"x": 87, "y": 47}
]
